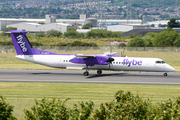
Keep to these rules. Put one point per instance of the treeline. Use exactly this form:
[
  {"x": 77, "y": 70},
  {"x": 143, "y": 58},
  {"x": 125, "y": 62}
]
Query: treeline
[
  {"x": 125, "y": 105},
  {"x": 73, "y": 34},
  {"x": 166, "y": 38}
]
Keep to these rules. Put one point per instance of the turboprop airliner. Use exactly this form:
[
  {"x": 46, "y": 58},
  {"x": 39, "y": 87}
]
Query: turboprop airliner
[{"x": 106, "y": 61}]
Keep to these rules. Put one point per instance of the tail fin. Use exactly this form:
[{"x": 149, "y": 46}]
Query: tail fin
[{"x": 21, "y": 43}]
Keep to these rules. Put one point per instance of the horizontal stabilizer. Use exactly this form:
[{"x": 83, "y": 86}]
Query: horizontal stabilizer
[{"x": 110, "y": 54}]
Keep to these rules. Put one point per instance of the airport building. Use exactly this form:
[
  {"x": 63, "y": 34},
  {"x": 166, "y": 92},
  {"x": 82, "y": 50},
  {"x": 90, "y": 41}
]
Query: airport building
[
  {"x": 35, "y": 27},
  {"x": 125, "y": 28},
  {"x": 32, "y": 25}
]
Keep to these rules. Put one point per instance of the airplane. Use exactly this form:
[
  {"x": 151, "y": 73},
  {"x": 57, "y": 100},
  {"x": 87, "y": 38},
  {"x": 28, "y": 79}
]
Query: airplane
[{"x": 106, "y": 61}]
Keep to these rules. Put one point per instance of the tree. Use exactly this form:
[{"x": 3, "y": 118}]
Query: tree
[
  {"x": 71, "y": 29},
  {"x": 148, "y": 41},
  {"x": 54, "y": 33},
  {"x": 136, "y": 42},
  {"x": 5, "y": 110},
  {"x": 48, "y": 110},
  {"x": 87, "y": 26},
  {"x": 122, "y": 45},
  {"x": 42, "y": 23},
  {"x": 165, "y": 38},
  {"x": 152, "y": 25},
  {"x": 56, "y": 109},
  {"x": 173, "y": 23},
  {"x": 177, "y": 42},
  {"x": 148, "y": 38}
]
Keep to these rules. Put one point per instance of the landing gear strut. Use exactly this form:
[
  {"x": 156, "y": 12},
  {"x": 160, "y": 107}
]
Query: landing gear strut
[
  {"x": 99, "y": 72},
  {"x": 165, "y": 74},
  {"x": 86, "y": 73}
]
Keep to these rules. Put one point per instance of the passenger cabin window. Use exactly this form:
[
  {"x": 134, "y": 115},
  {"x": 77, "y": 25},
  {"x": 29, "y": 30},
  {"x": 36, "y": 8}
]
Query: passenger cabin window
[{"x": 160, "y": 62}]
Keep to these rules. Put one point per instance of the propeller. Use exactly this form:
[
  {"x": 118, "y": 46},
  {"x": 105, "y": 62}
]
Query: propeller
[{"x": 110, "y": 59}]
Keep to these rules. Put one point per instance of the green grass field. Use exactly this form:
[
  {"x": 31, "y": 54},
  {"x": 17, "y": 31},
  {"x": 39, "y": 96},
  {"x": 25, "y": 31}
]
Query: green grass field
[{"x": 22, "y": 95}]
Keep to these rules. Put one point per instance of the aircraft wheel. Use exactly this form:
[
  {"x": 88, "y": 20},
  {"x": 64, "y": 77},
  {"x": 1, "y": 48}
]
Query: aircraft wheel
[
  {"x": 165, "y": 74},
  {"x": 86, "y": 73},
  {"x": 99, "y": 72}
]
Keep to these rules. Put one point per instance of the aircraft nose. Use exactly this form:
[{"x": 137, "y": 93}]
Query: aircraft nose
[{"x": 170, "y": 68}]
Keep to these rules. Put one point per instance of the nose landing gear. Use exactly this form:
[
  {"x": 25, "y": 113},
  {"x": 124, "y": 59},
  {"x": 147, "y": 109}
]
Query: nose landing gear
[{"x": 165, "y": 74}]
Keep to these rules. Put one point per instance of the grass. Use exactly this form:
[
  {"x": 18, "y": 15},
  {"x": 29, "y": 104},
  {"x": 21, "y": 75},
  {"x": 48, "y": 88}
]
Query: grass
[{"x": 22, "y": 95}]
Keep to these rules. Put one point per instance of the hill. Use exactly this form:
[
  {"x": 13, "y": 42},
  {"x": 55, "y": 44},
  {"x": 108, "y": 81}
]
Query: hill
[{"x": 135, "y": 3}]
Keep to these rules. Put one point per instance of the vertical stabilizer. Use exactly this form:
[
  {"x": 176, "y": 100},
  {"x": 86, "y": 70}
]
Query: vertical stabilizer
[{"x": 21, "y": 43}]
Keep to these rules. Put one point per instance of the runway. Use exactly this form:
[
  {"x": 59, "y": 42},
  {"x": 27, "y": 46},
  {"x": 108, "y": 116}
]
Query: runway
[{"x": 72, "y": 76}]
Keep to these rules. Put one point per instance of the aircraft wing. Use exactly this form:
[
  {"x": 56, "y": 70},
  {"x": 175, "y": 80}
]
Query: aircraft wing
[
  {"x": 85, "y": 56},
  {"x": 91, "y": 60}
]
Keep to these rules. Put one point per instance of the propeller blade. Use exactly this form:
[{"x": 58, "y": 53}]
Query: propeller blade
[{"x": 110, "y": 65}]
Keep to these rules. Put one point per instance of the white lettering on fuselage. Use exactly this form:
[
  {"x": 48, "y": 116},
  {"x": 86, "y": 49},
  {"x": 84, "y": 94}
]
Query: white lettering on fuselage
[{"x": 21, "y": 43}]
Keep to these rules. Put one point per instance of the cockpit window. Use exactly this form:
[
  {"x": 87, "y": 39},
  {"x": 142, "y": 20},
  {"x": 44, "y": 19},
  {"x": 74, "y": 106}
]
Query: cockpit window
[
  {"x": 163, "y": 62},
  {"x": 160, "y": 62}
]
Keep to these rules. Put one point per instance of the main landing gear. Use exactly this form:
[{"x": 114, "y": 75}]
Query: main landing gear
[
  {"x": 165, "y": 74},
  {"x": 99, "y": 72},
  {"x": 86, "y": 73}
]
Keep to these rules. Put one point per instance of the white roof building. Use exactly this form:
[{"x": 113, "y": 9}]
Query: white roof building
[
  {"x": 125, "y": 28},
  {"x": 35, "y": 27},
  {"x": 162, "y": 22},
  {"x": 8, "y": 21}
]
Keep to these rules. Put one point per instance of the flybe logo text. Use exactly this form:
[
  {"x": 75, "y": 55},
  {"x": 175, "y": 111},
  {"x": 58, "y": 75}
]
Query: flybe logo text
[
  {"x": 21, "y": 43},
  {"x": 133, "y": 62}
]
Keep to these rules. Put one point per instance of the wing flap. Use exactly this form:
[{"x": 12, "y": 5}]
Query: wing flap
[{"x": 77, "y": 68}]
